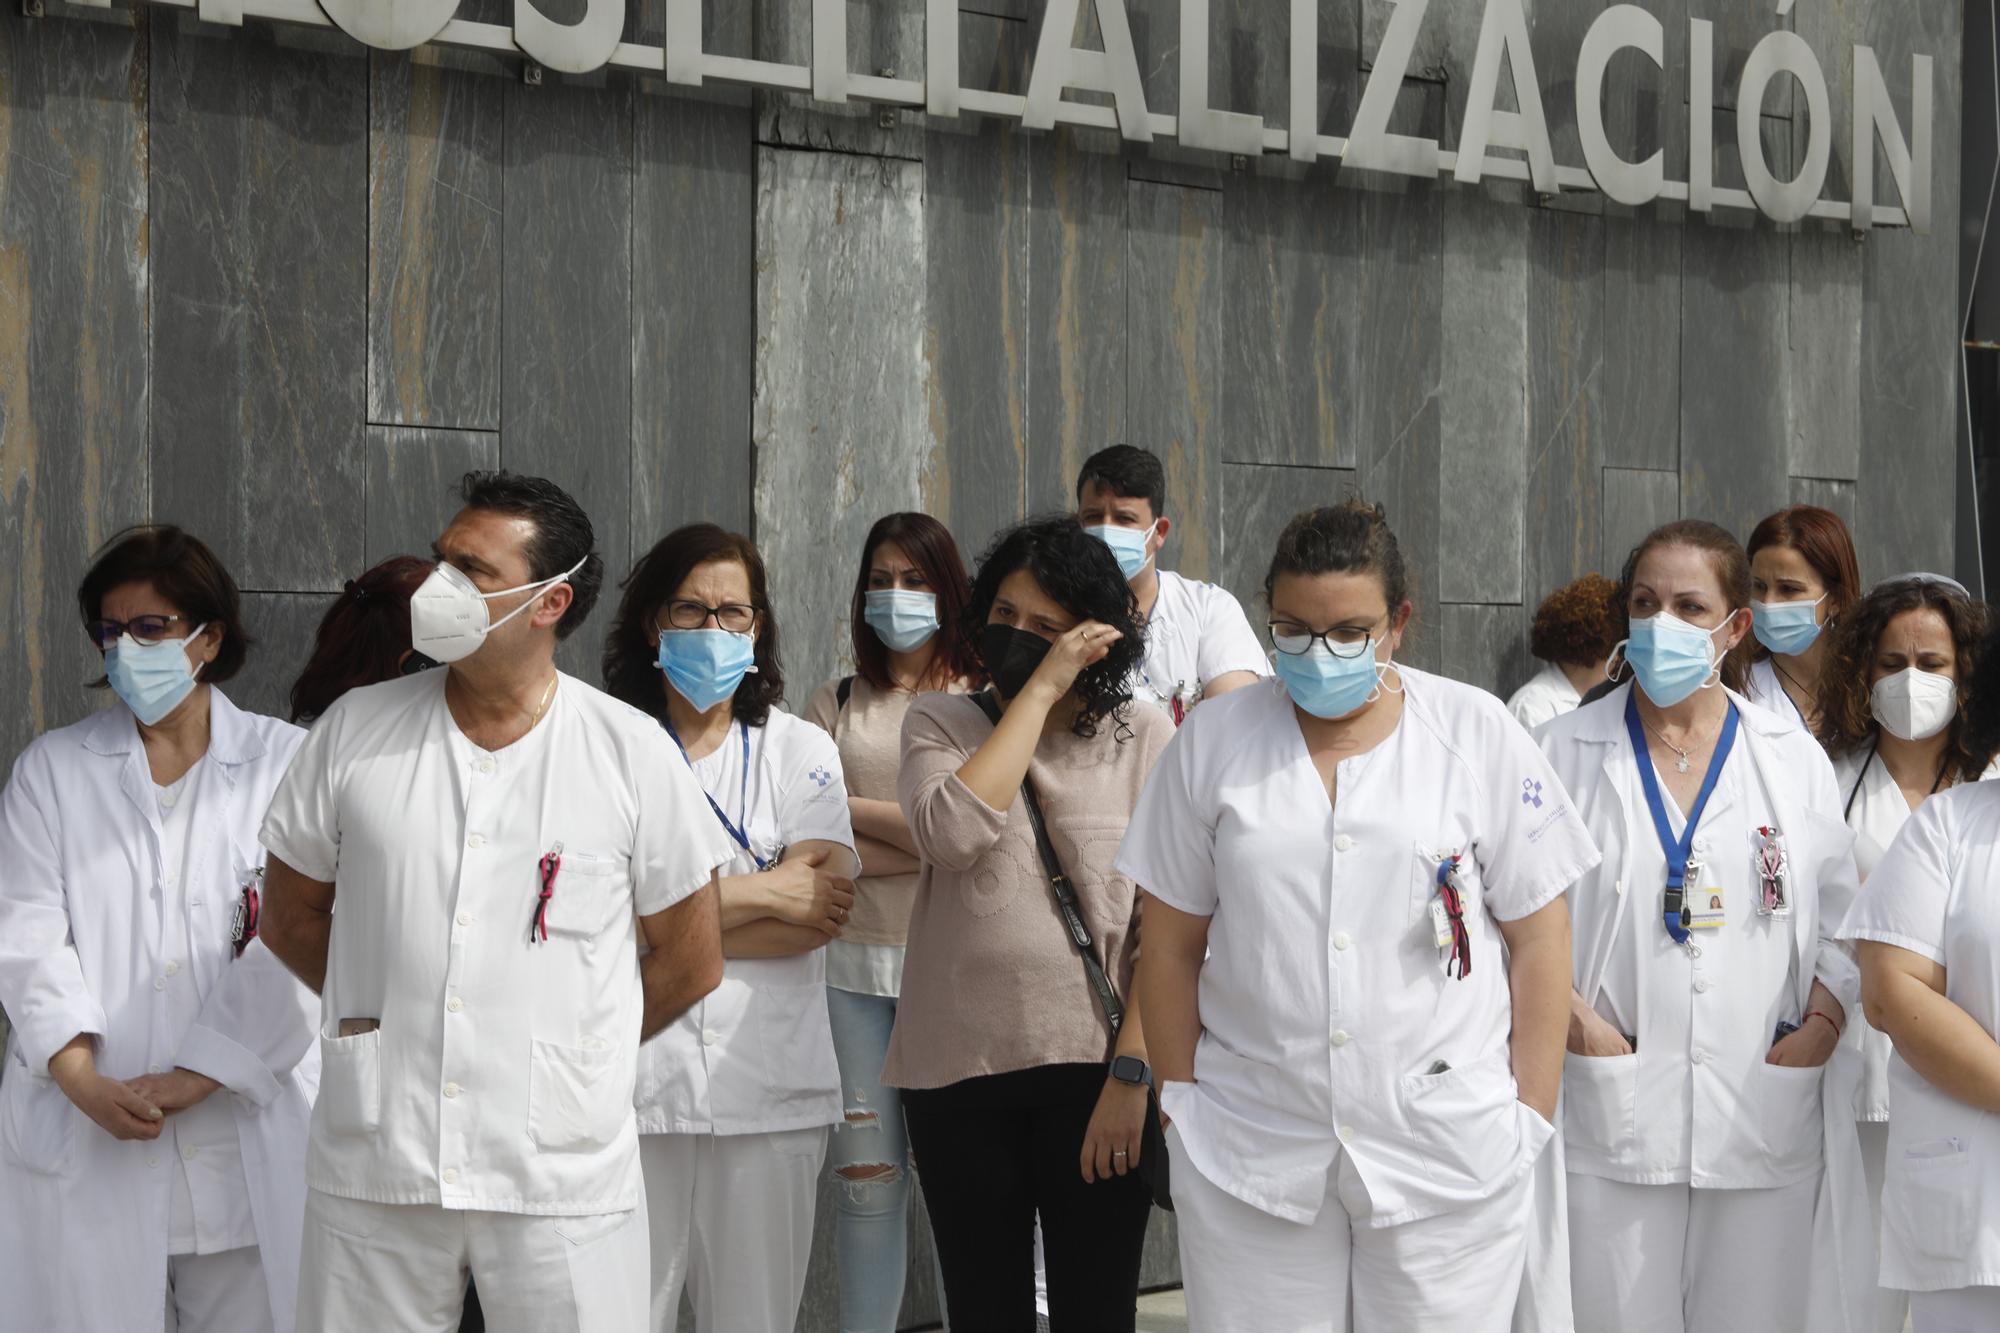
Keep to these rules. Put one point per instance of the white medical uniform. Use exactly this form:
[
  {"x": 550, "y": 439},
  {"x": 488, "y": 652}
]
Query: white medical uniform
[
  {"x": 1694, "y": 1166},
  {"x": 736, "y": 1098},
  {"x": 1859, "y": 1073},
  {"x": 1548, "y": 695},
  {"x": 1196, "y": 634},
  {"x": 487, "y": 1124},
  {"x": 1932, "y": 894},
  {"x": 116, "y": 907},
  {"x": 1765, "y": 689},
  {"x": 1353, "y": 1130}
]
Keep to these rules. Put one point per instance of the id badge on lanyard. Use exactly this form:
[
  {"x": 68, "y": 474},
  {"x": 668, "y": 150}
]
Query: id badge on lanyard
[
  {"x": 1773, "y": 873},
  {"x": 1448, "y": 930},
  {"x": 1677, "y": 907}
]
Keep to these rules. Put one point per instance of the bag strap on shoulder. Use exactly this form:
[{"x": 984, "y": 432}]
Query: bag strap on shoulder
[
  {"x": 1067, "y": 905},
  {"x": 843, "y": 692}
]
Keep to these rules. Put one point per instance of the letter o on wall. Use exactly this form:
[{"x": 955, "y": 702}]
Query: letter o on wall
[
  {"x": 1783, "y": 52},
  {"x": 391, "y": 25}
]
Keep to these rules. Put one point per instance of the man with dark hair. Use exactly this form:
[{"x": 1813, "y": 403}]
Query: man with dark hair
[
  {"x": 501, "y": 836},
  {"x": 1198, "y": 642}
]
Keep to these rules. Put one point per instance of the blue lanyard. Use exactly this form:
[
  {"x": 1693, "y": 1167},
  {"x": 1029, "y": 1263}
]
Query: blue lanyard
[
  {"x": 736, "y": 831},
  {"x": 1676, "y": 849}
]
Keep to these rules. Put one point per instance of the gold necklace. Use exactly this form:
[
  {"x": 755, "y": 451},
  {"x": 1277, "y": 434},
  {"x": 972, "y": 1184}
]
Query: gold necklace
[{"x": 550, "y": 693}]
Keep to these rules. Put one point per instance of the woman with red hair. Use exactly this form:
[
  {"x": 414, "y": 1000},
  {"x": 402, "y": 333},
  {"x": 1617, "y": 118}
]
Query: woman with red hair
[
  {"x": 364, "y": 638},
  {"x": 1803, "y": 577}
]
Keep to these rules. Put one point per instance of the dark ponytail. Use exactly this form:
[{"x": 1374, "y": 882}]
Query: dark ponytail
[{"x": 1352, "y": 537}]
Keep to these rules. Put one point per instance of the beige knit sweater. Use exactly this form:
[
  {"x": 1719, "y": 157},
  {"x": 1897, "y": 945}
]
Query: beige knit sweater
[{"x": 992, "y": 983}]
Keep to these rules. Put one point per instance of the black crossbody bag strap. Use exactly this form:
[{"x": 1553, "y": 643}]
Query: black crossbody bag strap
[{"x": 1065, "y": 893}]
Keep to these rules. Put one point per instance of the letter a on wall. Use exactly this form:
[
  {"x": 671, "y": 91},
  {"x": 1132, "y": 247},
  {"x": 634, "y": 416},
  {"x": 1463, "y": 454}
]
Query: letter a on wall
[{"x": 1061, "y": 65}]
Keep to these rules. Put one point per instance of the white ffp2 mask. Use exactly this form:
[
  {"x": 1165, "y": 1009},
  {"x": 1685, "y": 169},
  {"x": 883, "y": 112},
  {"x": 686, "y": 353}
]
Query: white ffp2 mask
[
  {"x": 1915, "y": 705},
  {"x": 448, "y": 616}
]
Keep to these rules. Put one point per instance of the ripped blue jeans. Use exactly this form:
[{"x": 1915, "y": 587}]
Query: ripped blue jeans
[{"x": 870, "y": 1160}]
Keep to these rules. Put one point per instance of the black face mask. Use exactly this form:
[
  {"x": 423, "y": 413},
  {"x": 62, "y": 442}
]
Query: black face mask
[{"x": 1011, "y": 656}]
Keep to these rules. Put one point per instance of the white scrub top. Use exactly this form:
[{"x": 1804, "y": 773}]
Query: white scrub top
[
  {"x": 1197, "y": 633},
  {"x": 1326, "y": 1012},
  {"x": 1765, "y": 689},
  {"x": 756, "y": 1055},
  {"x": 1876, "y": 811},
  {"x": 1932, "y": 894},
  {"x": 1546, "y": 696},
  {"x": 501, "y": 1076},
  {"x": 1696, "y": 1104}
]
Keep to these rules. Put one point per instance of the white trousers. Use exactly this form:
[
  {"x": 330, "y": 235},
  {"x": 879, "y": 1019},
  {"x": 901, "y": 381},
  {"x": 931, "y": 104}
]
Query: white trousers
[
  {"x": 732, "y": 1221},
  {"x": 1892, "y": 1307},
  {"x": 378, "y": 1267},
  {"x": 1962, "y": 1310},
  {"x": 1674, "y": 1259},
  {"x": 218, "y": 1293},
  {"x": 1246, "y": 1271}
]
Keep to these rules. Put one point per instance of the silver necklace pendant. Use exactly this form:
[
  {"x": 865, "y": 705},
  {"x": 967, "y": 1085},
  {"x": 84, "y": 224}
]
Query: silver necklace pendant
[{"x": 1681, "y": 764}]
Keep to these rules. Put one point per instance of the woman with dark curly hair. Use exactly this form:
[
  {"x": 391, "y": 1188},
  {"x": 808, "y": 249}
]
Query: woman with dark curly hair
[
  {"x": 1927, "y": 928},
  {"x": 1019, "y": 1092},
  {"x": 1892, "y": 705},
  {"x": 736, "y": 1097},
  {"x": 1575, "y": 628}
]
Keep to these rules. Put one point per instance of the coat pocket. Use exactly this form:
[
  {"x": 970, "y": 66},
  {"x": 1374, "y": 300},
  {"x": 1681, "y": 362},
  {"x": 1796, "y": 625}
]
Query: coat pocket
[
  {"x": 1464, "y": 1120},
  {"x": 37, "y": 1123},
  {"x": 1927, "y": 1201},
  {"x": 578, "y": 1099},
  {"x": 350, "y": 1084},
  {"x": 1600, "y": 1103},
  {"x": 1783, "y": 1102}
]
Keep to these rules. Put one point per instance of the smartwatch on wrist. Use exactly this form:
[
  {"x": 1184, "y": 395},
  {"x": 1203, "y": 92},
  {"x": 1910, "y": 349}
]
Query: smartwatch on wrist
[{"x": 1131, "y": 1069}]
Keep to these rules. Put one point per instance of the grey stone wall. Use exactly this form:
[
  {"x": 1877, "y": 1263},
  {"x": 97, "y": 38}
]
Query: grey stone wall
[{"x": 283, "y": 291}]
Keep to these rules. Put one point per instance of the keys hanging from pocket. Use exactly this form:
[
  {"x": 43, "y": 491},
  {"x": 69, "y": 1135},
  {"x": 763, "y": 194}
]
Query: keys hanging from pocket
[
  {"x": 250, "y": 906},
  {"x": 1448, "y": 928},
  {"x": 1773, "y": 873}
]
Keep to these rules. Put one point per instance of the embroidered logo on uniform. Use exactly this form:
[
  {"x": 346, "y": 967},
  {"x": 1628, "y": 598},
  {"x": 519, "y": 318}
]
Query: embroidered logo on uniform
[
  {"x": 1531, "y": 793},
  {"x": 821, "y": 776}
]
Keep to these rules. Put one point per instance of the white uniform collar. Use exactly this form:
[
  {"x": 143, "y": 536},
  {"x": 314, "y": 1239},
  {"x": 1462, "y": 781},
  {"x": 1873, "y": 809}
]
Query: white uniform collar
[{"x": 231, "y": 738}]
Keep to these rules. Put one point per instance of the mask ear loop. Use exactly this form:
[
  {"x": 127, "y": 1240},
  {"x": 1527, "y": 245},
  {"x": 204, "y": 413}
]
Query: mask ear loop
[
  {"x": 1382, "y": 686},
  {"x": 1616, "y": 668}
]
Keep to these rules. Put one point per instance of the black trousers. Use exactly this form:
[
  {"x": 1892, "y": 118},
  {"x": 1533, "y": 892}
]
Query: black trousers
[{"x": 991, "y": 1153}]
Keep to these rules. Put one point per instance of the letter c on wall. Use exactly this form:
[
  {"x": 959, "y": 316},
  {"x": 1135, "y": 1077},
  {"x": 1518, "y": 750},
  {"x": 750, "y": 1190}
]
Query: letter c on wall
[{"x": 391, "y": 25}]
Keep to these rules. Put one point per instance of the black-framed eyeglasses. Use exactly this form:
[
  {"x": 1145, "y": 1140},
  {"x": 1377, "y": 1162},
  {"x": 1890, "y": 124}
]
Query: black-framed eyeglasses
[
  {"x": 1296, "y": 640},
  {"x": 683, "y": 613},
  {"x": 147, "y": 630}
]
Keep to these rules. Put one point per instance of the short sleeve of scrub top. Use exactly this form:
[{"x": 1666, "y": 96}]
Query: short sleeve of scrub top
[
  {"x": 1532, "y": 845},
  {"x": 1169, "y": 846},
  {"x": 302, "y": 827},
  {"x": 668, "y": 865},
  {"x": 1903, "y": 903}
]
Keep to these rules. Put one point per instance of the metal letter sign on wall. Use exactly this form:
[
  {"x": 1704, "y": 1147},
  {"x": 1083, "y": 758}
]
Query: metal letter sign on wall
[{"x": 1624, "y": 31}]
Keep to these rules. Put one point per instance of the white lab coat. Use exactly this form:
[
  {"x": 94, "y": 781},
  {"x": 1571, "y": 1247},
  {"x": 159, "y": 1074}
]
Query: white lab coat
[
  {"x": 83, "y": 1229},
  {"x": 1592, "y": 755},
  {"x": 1548, "y": 695}
]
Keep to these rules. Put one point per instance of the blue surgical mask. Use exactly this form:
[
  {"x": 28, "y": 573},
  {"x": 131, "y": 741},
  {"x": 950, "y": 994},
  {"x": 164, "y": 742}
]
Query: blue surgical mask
[
  {"x": 902, "y": 620},
  {"x": 1128, "y": 544},
  {"x": 1786, "y": 627},
  {"x": 1671, "y": 658},
  {"x": 706, "y": 665},
  {"x": 152, "y": 678},
  {"x": 1327, "y": 686}
]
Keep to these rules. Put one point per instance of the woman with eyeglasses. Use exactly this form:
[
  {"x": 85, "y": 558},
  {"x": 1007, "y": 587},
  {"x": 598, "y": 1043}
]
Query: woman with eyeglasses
[
  {"x": 1356, "y": 964},
  {"x": 1927, "y": 928},
  {"x": 153, "y": 1115},
  {"x": 1803, "y": 579},
  {"x": 1021, "y": 1061},
  {"x": 1709, "y": 991},
  {"x": 736, "y": 1097},
  {"x": 909, "y": 595},
  {"x": 1893, "y": 704}
]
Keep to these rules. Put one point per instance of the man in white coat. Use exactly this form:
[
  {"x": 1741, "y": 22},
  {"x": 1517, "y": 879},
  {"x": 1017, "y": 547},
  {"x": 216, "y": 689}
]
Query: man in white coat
[
  {"x": 1199, "y": 644},
  {"x": 500, "y": 836}
]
